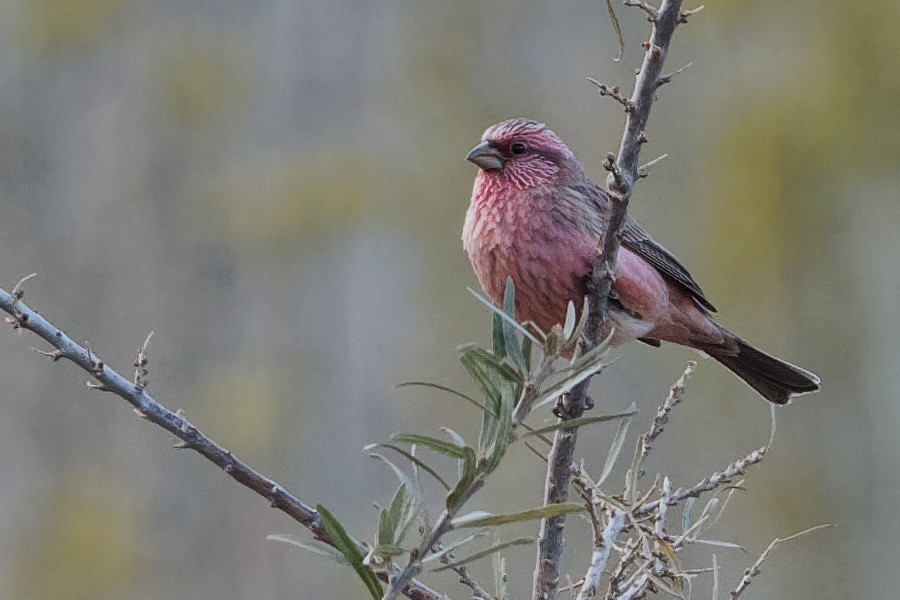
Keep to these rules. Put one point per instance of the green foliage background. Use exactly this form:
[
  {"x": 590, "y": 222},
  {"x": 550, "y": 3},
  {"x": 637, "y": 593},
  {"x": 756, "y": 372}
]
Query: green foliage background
[{"x": 277, "y": 189}]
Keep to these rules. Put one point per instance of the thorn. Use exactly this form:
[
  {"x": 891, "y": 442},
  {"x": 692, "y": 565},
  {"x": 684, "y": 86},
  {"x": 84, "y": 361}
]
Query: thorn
[
  {"x": 100, "y": 387},
  {"x": 181, "y": 444},
  {"x": 644, "y": 169},
  {"x": 55, "y": 355},
  {"x": 140, "y": 413},
  {"x": 18, "y": 291},
  {"x": 652, "y": 13},
  {"x": 683, "y": 17},
  {"x": 664, "y": 79}
]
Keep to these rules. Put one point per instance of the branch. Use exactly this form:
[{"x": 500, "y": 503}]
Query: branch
[
  {"x": 600, "y": 556},
  {"x": 623, "y": 174},
  {"x": 23, "y": 317}
]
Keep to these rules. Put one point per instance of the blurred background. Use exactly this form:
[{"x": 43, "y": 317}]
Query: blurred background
[{"x": 277, "y": 189}]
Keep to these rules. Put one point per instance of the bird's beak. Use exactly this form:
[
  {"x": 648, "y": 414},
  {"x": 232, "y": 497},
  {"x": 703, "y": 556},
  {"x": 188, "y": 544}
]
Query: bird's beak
[{"x": 486, "y": 156}]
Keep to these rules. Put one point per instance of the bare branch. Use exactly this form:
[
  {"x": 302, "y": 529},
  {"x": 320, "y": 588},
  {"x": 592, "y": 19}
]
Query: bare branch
[
  {"x": 612, "y": 93},
  {"x": 756, "y": 568},
  {"x": 600, "y": 556},
  {"x": 652, "y": 14},
  {"x": 175, "y": 423},
  {"x": 623, "y": 174},
  {"x": 676, "y": 392}
]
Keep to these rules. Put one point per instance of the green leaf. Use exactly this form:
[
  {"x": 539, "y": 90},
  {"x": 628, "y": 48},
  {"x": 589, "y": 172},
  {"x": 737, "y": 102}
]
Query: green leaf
[
  {"x": 477, "y": 373},
  {"x": 616, "y": 448},
  {"x": 403, "y": 512},
  {"x": 413, "y": 495},
  {"x": 483, "y": 519},
  {"x": 413, "y": 459},
  {"x": 468, "y": 468},
  {"x": 314, "y": 546},
  {"x": 383, "y": 551},
  {"x": 526, "y": 352},
  {"x": 448, "y": 548},
  {"x": 504, "y": 316},
  {"x": 485, "y": 552},
  {"x": 502, "y": 434},
  {"x": 443, "y": 388},
  {"x": 439, "y": 446},
  {"x": 489, "y": 362},
  {"x": 386, "y": 527},
  {"x": 513, "y": 350},
  {"x": 579, "y": 422},
  {"x": 498, "y": 340},
  {"x": 346, "y": 546},
  {"x": 576, "y": 376}
]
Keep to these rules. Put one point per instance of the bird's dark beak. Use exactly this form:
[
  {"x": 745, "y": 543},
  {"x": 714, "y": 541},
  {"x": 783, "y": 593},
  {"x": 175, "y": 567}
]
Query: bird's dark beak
[{"x": 486, "y": 156}]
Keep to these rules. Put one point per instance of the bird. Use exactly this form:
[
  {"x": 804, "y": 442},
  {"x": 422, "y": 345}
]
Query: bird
[{"x": 536, "y": 217}]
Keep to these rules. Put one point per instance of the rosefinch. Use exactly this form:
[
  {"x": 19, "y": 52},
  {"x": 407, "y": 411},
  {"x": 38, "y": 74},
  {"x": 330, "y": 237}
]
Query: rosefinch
[{"x": 537, "y": 218}]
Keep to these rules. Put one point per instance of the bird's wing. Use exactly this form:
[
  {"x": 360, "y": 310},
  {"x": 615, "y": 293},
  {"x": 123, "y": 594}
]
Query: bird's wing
[{"x": 639, "y": 241}]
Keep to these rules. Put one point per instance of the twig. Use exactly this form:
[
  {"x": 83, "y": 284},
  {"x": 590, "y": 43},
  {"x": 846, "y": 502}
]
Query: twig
[
  {"x": 710, "y": 483},
  {"x": 676, "y": 392},
  {"x": 652, "y": 14},
  {"x": 756, "y": 568},
  {"x": 613, "y": 93},
  {"x": 644, "y": 169},
  {"x": 623, "y": 174},
  {"x": 110, "y": 380},
  {"x": 600, "y": 556},
  {"x": 664, "y": 79}
]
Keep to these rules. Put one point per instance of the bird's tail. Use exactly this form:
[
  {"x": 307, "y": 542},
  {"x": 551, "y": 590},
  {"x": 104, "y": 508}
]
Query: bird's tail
[{"x": 776, "y": 380}]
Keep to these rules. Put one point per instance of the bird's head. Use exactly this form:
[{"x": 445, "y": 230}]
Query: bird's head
[{"x": 525, "y": 154}]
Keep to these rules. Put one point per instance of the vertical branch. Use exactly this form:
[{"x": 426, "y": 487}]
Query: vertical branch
[{"x": 623, "y": 173}]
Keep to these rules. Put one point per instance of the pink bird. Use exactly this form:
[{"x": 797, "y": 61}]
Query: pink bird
[{"x": 537, "y": 218}]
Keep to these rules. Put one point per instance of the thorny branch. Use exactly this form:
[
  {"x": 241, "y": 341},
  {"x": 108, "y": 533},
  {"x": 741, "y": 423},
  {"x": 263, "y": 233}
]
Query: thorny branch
[
  {"x": 109, "y": 380},
  {"x": 623, "y": 174}
]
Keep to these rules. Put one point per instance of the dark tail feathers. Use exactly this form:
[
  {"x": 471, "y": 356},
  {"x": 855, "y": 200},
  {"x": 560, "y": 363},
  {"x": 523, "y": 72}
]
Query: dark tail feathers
[{"x": 776, "y": 380}]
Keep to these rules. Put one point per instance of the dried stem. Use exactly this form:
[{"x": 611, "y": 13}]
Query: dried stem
[
  {"x": 23, "y": 317},
  {"x": 623, "y": 174}
]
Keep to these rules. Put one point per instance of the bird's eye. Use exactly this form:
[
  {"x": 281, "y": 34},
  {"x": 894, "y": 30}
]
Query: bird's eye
[{"x": 517, "y": 148}]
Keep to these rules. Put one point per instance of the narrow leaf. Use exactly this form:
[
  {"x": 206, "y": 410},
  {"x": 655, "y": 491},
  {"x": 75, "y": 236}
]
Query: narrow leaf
[
  {"x": 386, "y": 526},
  {"x": 513, "y": 350},
  {"x": 500, "y": 577},
  {"x": 314, "y": 546},
  {"x": 477, "y": 373},
  {"x": 457, "y": 439},
  {"x": 480, "y": 519},
  {"x": 579, "y": 422},
  {"x": 503, "y": 315},
  {"x": 498, "y": 339},
  {"x": 616, "y": 448},
  {"x": 345, "y": 544},
  {"x": 439, "y": 446},
  {"x": 413, "y": 495},
  {"x": 567, "y": 383},
  {"x": 413, "y": 459},
  {"x": 485, "y": 552},
  {"x": 466, "y": 478},
  {"x": 447, "y": 549},
  {"x": 720, "y": 543},
  {"x": 569, "y": 327},
  {"x": 443, "y": 388}
]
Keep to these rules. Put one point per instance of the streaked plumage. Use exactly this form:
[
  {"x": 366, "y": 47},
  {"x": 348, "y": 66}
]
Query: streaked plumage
[{"x": 536, "y": 217}]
